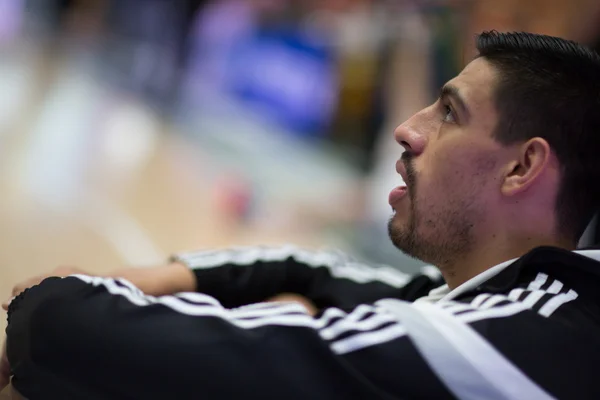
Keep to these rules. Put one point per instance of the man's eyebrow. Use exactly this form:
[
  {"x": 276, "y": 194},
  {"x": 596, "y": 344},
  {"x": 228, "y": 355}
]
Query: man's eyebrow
[{"x": 452, "y": 92}]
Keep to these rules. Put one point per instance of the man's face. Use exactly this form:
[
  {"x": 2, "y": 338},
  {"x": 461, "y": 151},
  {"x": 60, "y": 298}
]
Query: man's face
[{"x": 451, "y": 170}]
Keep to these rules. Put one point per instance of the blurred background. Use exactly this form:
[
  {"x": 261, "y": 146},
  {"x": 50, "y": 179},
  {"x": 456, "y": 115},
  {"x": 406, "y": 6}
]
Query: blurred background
[{"x": 132, "y": 129}]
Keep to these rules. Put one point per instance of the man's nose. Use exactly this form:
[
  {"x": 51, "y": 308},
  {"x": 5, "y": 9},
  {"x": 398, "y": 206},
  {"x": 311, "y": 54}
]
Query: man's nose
[{"x": 410, "y": 138}]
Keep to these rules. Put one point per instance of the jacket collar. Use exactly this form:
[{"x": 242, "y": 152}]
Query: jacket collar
[
  {"x": 562, "y": 263},
  {"x": 577, "y": 268}
]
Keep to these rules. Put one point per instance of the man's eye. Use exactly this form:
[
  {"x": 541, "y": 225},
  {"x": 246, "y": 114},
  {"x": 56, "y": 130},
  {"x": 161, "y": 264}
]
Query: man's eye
[{"x": 448, "y": 114}]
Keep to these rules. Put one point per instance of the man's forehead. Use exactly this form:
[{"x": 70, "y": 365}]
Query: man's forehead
[{"x": 476, "y": 83}]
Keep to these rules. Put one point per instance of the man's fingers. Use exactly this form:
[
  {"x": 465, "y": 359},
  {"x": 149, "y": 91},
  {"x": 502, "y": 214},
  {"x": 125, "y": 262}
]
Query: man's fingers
[
  {"x": 36, "y": 280},
  {"x": 21, "y": 286},
  {"x": 6, "y": 303},
  {"x": 291, "y": 297},
  {"x": 16, "y": 290}
]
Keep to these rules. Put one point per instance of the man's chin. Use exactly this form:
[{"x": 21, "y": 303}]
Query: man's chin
[
  {"x": 398, "y": 230},
  {"x": 402, "y": 235},
  {"x": 399, "y": 221}
]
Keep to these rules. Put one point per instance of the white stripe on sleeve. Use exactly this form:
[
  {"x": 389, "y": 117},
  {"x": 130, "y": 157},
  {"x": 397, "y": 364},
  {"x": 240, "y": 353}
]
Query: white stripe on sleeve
[
  {"x": 477, "y": 301},
  {"x": 339, "y": 265},
  {"x": 554, "y": 303},
  {"x": 537, "y": 283}
]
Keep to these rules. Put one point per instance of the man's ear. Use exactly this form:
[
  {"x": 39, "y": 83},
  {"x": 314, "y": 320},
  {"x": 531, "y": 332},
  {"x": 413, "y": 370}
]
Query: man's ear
[{"x": 531, "y": 160}]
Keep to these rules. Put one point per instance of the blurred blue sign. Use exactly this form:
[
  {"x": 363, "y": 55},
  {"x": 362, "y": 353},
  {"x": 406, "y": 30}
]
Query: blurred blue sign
[{"x": 287, "y": 77}]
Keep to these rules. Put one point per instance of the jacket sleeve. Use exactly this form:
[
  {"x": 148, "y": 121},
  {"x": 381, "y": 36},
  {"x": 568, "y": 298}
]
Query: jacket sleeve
[
  {"x": 245, "y": 275},
  {"x": 95, "y": 338},
  {"x": 84, "y": 337}
]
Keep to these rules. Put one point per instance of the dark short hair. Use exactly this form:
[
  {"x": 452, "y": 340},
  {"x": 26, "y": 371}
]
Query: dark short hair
[{"x": 550, "y": 88}]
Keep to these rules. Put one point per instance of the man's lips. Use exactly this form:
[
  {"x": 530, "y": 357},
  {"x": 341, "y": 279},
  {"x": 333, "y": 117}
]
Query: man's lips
[
  {"x": 401, "y": 170},
  {"x": 397, "y": 194}
]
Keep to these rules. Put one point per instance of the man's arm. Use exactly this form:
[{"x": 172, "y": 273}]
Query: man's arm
[
  {"x": 245, "y": 275},
  {"x": 99, "y": 338}
]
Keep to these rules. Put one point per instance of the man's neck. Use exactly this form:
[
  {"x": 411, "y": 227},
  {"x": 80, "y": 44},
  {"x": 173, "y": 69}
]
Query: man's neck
[{"x": 492, "y": 253}]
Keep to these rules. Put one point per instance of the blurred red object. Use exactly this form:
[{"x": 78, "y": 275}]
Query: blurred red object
[{"x": 234, "y": 197}]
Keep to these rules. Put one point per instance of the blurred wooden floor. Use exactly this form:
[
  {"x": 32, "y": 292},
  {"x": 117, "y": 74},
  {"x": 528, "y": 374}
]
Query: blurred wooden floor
[{"x": 94, "y": 179}]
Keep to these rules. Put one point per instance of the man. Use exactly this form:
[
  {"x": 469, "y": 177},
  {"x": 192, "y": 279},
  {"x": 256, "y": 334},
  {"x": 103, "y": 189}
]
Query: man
[{"x": 501, "y": 177}]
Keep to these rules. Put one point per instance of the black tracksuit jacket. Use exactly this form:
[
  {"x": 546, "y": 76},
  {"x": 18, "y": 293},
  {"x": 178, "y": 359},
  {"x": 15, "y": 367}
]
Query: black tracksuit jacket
[{"x": 525, "y": 329}]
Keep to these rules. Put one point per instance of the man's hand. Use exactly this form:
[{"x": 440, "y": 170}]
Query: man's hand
[
  {"x": 296, "y": 298},
  {"x": 159, "y": 281},
  {"x": 26, "y": 284},
  {"x": 155, "y": 281}
]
